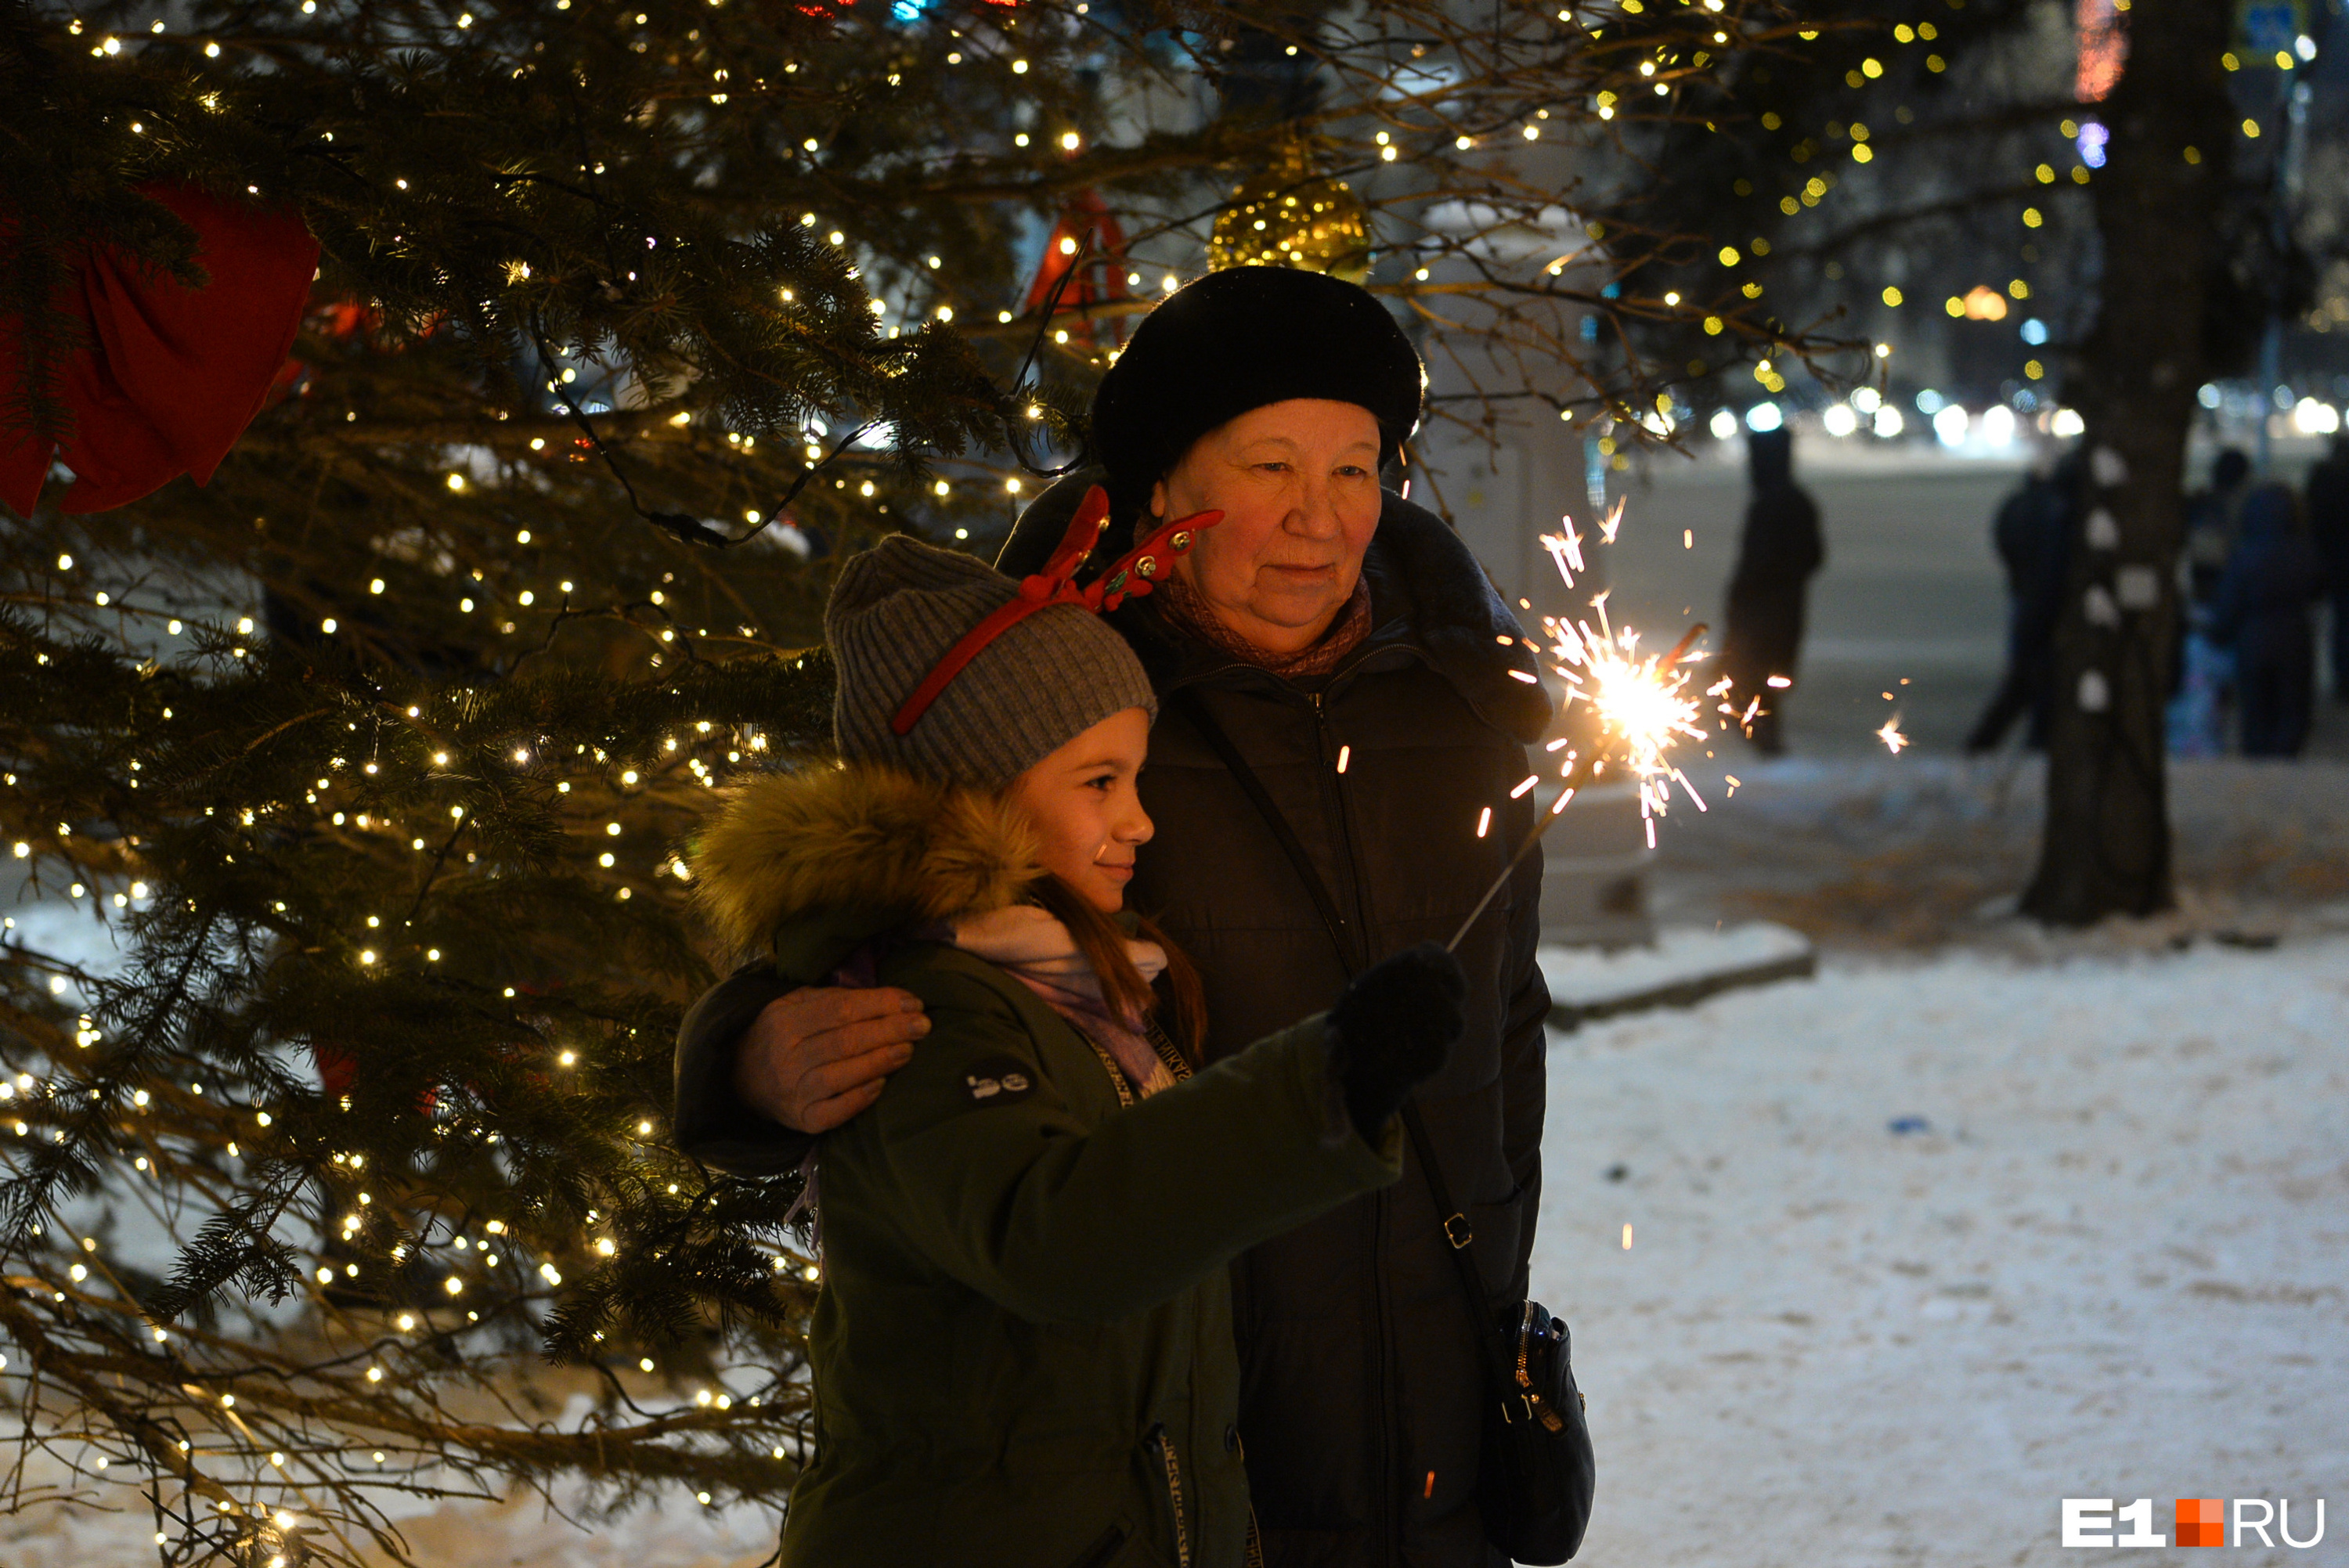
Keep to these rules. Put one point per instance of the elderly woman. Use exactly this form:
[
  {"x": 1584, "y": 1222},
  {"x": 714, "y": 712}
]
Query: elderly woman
[{"x": 1345, "y": 712}]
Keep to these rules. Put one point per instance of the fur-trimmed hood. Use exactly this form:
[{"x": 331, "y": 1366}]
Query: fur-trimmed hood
[{"x": 856, "y": 839}]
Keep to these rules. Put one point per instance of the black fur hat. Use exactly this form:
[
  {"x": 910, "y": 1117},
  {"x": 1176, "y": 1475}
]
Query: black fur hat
[{"x": 1237, "y": 340}]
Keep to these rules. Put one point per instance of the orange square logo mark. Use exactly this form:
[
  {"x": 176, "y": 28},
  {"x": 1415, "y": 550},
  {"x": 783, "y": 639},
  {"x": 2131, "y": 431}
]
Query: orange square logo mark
[{"x": 2202, "y": 1521}]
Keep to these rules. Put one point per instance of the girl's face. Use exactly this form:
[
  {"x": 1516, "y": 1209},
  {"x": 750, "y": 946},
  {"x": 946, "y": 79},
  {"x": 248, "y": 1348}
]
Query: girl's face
[{"x": 1083, "y": 803}]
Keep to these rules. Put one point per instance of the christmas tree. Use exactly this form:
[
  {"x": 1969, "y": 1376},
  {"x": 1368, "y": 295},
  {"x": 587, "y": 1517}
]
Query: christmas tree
[{"x": 349, "y": 789}]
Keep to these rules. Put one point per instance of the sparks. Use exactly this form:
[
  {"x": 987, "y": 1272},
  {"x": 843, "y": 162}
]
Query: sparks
[
  {"x": 1565, "y": 548},
  {"x": 1891, "y": 736},
  {"x": 1643, "y": 703}
]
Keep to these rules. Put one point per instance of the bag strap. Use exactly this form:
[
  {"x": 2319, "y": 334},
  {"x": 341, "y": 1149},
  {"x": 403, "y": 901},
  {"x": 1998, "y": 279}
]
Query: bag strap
[
  {"x": 1457, "y": 1232},
  {"x": 1342, "y": 936}
]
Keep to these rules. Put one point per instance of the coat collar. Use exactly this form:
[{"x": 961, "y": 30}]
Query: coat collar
[{"x": 1428, "y": 595}]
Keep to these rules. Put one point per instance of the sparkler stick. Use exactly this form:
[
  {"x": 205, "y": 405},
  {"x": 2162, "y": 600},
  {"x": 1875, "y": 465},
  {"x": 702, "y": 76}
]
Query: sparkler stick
[
  {"x": 1688, "y": 641},
  {"x": 1576, "y": 777}
]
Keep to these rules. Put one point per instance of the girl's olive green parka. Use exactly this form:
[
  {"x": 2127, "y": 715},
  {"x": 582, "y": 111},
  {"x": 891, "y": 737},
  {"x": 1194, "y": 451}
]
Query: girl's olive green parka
[{"x": 1023, "y": 1351}]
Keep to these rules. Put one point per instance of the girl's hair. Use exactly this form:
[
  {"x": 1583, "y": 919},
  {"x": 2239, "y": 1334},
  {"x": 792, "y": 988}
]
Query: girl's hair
[{"x": 1128, "y": 994}]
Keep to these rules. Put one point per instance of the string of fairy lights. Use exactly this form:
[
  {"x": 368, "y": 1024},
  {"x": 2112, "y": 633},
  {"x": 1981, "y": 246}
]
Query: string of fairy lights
[
  {"x": 409, "y": 785},
  {"x": 1606, "y": 101},
  {"x": 216, "y": 1367},
  {"x": 1660, "y": 67},
  {"x": 1988, "y": 302},
  {"x": 676, "y": 756},
  {"x": 598, "y": 785},
  {"x": 457, "y": 1256},
  {"x": 347, "y": 793}
]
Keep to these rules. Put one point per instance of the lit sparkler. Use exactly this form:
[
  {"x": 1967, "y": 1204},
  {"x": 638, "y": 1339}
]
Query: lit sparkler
[{"x": 1643, "y": 704}]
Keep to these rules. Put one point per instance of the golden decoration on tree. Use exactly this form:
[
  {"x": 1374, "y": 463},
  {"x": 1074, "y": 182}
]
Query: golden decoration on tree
[{"x": 1293, "y": 215}]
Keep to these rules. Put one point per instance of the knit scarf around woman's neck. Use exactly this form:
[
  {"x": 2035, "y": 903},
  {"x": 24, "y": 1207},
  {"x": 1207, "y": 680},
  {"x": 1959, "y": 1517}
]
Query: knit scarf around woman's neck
[
  {"x": 1183, "y": 607},
  {"x": 1038, "y": 951}
]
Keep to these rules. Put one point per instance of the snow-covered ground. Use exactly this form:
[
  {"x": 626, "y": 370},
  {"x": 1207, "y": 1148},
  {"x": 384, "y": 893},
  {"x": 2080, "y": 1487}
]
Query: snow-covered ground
[{"x": 2109, "y": 1261}]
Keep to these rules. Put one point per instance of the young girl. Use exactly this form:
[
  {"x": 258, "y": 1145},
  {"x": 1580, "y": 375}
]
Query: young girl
[{"x": 1023, "y": 1353}]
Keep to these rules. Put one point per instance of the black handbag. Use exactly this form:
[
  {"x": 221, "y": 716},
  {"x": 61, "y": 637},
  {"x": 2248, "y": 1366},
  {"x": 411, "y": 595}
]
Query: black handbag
[{"x": 1536, "y": 1471}]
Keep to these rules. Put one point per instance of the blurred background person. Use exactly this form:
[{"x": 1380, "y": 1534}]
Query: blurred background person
[
  {"x": 2033, "y": 536},
  {"x": 2202, "y": 706},
  {"x": 2212, "y": 516},
  {"x": 1780, "y": 549},
  {"x": 2264, "y": 612},
  {"x": 2328, "y": 528}
]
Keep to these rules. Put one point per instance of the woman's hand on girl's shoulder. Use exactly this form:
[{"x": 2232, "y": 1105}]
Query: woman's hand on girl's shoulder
[{"x": 814, "y": 1059}]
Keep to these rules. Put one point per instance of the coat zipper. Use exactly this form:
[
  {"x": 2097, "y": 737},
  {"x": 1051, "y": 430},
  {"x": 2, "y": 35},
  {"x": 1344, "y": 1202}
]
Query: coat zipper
[
  {"x": 1337, "y": 799},
  {"x": 1166, "y": 1446},
  {"x": 1254, "y": 1537},
  {"x": 1383, "y": 1483},
  {"x": 1380, "y": 1218}
]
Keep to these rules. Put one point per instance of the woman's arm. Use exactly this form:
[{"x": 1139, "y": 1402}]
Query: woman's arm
[{"x": 763, "y": 1065}]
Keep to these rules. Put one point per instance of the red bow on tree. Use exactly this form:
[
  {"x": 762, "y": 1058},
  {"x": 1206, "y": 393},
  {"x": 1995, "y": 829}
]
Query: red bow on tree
[
  {"x": 171, "y": 376},
  {"x": 1130, "y": 576}
]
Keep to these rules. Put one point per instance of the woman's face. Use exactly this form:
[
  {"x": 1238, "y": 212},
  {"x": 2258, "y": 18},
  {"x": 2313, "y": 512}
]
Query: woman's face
[
  {"x": 1297, "y": 483},
  {"x": 1081, "y": 801}
]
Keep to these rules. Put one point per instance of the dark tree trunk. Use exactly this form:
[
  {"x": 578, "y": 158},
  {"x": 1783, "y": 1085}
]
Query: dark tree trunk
[{"x": 2106, "y": 845}]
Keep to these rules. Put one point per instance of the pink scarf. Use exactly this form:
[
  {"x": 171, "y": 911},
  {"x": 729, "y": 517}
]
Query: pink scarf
[{"x": 1038, "y": 951}]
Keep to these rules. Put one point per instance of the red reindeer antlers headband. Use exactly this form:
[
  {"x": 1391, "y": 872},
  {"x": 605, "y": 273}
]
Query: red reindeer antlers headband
[{"x": 1130, "y": 576}]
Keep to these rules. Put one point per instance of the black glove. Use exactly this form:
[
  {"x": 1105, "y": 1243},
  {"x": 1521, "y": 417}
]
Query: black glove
[{"x": 1391, "y": 1030}]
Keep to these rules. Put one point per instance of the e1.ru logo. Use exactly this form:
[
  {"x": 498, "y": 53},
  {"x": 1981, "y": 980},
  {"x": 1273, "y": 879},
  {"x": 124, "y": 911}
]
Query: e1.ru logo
[{"x": 2198, "y": 1520}]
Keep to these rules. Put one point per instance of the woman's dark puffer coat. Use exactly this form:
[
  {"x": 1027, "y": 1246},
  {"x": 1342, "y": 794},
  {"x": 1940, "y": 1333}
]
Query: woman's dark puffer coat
[{"x": 1360, "y": 1384}]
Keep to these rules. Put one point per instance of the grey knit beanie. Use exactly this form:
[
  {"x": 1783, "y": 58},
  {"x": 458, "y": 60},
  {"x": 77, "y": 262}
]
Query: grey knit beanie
[{"x": 895, "y": 611}]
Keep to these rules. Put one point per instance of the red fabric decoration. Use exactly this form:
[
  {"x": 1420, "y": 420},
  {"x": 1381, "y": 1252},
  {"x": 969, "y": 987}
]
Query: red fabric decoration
[
  {"x": 1130, "y": 576},
  {"x": 174, "y": 374},
  {"x": 1102, "y": 278}
]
